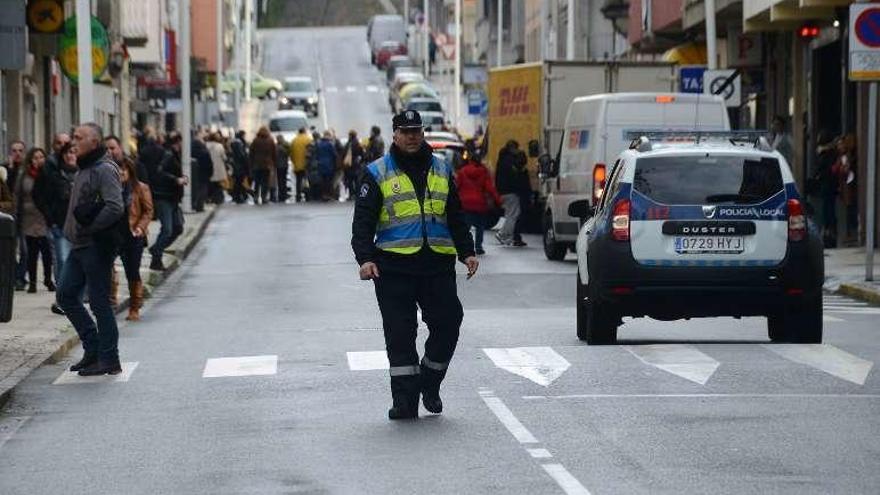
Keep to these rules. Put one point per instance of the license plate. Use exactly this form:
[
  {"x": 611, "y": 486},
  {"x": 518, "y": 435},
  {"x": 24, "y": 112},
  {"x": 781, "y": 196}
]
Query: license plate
[{"x": 709, "y": 244}]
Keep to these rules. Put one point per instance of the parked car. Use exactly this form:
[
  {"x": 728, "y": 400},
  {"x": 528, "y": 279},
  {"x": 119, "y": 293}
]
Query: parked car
[
  {"x": 398, "y": 61},
  {"x": 387, "y": 50},
  {"x": 287, "y": 123},
  {"x": 300, "y": 92},
  {"x": 381, "y": 28},
  {"x": 417, "y": 89},
  {"x": 433, "y": 120},
  {"x": 421, "y": 104},
  {"x": 261, "y": 87}
]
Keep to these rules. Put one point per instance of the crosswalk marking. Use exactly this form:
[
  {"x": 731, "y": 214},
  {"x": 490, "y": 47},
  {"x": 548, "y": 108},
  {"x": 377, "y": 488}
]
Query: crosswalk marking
[
  {"x": 332, "y": 89},
  {"x": 367, "y": 360},
  {"x": 679, "y": 359},
  {"x": 241, "y": 366},
  {"x": 72, "y": 378},
  {"x": 541, "y": 365},
  {"x": 833, "y": 303},
  {"x": 350, "y": 89},
  {"x": 827, "y": 358},
  {"x": 372, "y": 89}
]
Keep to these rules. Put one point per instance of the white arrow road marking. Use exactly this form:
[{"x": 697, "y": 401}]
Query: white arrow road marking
[
  {"x": 372, "y": 89},
  {"x": 241, "y": 366},
  {"x": 827, "y": 358},
  {"x": 368, "y": 360},
  {"x": 679, "y": 359},
  {"x": 541, "y": 365},
  {"x": 72, "y": 378}
]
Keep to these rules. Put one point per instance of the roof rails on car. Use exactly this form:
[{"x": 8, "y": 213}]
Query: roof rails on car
[{"x": 643, "y": 140}]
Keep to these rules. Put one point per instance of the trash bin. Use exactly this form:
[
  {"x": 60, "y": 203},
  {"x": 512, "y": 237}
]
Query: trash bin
[{"x": 7, "y": 265}]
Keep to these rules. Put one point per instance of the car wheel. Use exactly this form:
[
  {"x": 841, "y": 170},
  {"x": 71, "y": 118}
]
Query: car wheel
[
  {"x": 272, "y": 94},
  {"x": 800, "y": 323},
  {"x": 596, "y": 322},
  {"x": 554, "y": 251}
]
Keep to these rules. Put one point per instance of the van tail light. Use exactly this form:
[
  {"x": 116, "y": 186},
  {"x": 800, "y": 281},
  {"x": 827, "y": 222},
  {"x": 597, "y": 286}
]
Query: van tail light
[
  {"x": 797, "y": 223},
  {"x": 598, "y": 182},
  {"x": 620, "y": 220}
]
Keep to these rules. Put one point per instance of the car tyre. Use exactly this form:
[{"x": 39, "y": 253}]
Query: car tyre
[
  {"x": 554, "y": 251},
  {"x": 272, "y": 94},
  {"x": 596, "y": 323},
  {"x": 799, "y": 323}
]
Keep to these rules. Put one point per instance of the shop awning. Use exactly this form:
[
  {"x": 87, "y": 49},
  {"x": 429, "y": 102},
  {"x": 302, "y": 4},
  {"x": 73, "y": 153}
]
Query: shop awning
[{"x": 686, "y": 54}]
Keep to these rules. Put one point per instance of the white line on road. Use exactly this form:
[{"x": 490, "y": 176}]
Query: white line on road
[
  {"x": 520, "y": 432},
  {"x": 72, "y": 378},
  {"x": 569, "y": 484},
  {"x": 541, "y": 365},
  {"x": 701, "y": 396},
  {"x": 350, "y": 89},
  {"x": 827, "y": 358},
  {"x": 241, "y": 366},
  {"x": 367, "y": 360},
  {"x": 539, "y": 453},
  {"x": 332, "y": 89},
  {"x": 9, "y": 426},
  {"x": 679, "y": 359},
  {"x": 372, "y": 89}
]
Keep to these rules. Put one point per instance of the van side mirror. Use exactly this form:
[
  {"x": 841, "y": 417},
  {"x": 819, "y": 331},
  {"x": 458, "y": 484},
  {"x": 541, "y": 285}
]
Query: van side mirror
[
  {"x": 580, "y": 209},
  {"x": 534, "y": 148},
  {"x": 547, "y": 167}
]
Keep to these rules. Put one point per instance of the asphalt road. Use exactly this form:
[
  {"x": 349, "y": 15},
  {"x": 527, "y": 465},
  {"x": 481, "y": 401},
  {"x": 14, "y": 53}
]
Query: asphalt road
[{"x": 258, "y": 369}]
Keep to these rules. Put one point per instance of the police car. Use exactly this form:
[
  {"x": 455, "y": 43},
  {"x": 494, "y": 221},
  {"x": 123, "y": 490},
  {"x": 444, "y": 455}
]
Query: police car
[{"x": 699, "y": 225}]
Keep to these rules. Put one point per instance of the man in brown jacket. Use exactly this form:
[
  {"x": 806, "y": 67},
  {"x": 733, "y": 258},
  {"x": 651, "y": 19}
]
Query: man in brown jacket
[{"x": 262, "y": 158}]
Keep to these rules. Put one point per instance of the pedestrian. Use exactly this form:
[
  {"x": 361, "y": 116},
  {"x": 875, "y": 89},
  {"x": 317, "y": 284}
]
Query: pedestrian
[
  {"x": 118, "y": 155},
  {"x": 327, "y": 156},
  {"x": 512, "y": 183},
  {"x": 282, "y": 165},
  {"x": 262, "y": 161},
  {"x": 826, "y": 186},
  {"x": 150, "y": 154},
  {"x": 13, "y": 166},
  {"x": 780, "y": 139},
  {"x": 352, "y": 163},
  {"x": 432, "y": 53},
  {"x": 219, "y": 176},
  {"x": 96, "y": 207},
  {"x": 31, "y": 222},
  {"x": 167, "y": 195},
  {"x": 407, "y": 230},
  {"x": 478, "y": 196},
  {"x": 52, "y": 194},
  {"x": 844, "y": 170},
  {"x": 298, "y": 152},
  {"x": 58, "y": 141},
  {"x": 375, "y": 145},
  {"x": 202, "y": 171},
  {"x": 240, "y": 167},
  {"x": 139, "y": 202},
  {"x": 7, "y": 200},
  {"x": 313, "y": 171}
]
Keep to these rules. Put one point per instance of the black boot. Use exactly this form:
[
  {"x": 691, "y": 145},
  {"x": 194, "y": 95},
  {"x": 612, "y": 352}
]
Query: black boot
[
  {"x": 102, "y": 367},
  {"x": 87, "y": 360},
  {"x": 156, "y": 263},
  {"x": 430, "y": 381},
  {"x": 405, "y": 407}
]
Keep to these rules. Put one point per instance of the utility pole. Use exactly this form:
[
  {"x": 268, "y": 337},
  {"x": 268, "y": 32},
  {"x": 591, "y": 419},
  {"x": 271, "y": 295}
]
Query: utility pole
[
  {"x": 499, "y": 55},
  {"x": 186, "y": 95},
  {"x": 870, "y": 217},
  {"x": 249, "y": 51},
  {"x": 711, "y": 37},
  {"x": 219, "y": 74},
  {"x": 569, "y": 34},
  {"x": 85, "y": 83},
  {"x": 427, "y": 29},
  {"x": 457, "y": 64},
  {"x": 545, "y": 32}
]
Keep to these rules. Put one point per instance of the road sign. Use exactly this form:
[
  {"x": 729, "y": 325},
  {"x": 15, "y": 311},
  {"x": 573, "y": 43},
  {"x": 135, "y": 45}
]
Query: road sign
[
  {"x": 67, "y": 49},
  {"x": 864, "y": 43},
  {"x": 691, "y": 79},
  {"x": 714, "y": 81},
  {"x": 475, "y": 102}
]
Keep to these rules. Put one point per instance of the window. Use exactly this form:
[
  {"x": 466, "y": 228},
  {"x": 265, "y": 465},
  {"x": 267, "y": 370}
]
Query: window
[
  {"x": 612, "y": 184},
  {"x": 700, "y": 180},
  {"x": 284, "y": 124},
  {"x": 298, "y": 86}
]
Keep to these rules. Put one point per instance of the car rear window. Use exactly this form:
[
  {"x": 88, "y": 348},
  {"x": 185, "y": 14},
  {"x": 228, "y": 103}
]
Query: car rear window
[
  {"x": 287, "y": 124},
  {"x": 701, "y": 180},
  {"x": 425, "y": 106}
]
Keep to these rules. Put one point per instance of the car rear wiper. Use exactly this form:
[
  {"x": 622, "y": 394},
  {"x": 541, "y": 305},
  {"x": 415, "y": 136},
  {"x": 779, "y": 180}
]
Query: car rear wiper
[{"x": 738, "y": 198}]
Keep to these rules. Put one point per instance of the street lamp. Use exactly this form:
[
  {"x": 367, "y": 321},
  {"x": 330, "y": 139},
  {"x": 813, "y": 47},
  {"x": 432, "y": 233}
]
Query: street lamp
[{"x": 617, "y": 11}]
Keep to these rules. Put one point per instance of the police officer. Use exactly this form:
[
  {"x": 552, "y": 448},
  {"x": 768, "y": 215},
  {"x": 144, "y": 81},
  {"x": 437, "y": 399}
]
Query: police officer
[{"x": 408, "y": 229}]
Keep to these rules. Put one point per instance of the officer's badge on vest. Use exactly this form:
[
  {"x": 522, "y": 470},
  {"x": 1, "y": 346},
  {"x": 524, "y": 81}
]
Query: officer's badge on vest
[{"x": 395, "y": 186}]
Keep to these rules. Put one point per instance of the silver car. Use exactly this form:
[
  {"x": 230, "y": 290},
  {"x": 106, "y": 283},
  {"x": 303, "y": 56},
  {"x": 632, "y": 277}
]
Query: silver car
[{"x": 299, "y": 92}]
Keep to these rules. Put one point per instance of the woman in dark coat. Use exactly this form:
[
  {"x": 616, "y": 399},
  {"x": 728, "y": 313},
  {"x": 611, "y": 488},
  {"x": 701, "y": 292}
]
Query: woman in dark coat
[{"x": 262, "y": 163}]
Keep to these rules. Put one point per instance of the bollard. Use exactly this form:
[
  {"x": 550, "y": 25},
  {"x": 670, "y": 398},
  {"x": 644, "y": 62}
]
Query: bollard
[{"x": 7, "y": 266}]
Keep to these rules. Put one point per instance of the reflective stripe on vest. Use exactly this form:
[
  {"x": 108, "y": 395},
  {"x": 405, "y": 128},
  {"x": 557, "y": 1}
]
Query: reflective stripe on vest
[{"x": 404, "y": 222}]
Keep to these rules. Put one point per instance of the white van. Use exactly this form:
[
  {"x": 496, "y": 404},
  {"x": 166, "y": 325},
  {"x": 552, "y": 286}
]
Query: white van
[
  {"x": 383, "y": 28},
  {"x": 595, "y": 132}
]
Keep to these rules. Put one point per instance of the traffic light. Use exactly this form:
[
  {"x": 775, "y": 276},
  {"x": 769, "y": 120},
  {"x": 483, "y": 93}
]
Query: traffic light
[{"x": 808, "y": 31}]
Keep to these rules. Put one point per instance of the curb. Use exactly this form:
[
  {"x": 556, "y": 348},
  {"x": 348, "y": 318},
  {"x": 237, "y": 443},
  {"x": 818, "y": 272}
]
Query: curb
[
  {"x": 66, "y": 344},
  {"x": 859, "y": 292}
]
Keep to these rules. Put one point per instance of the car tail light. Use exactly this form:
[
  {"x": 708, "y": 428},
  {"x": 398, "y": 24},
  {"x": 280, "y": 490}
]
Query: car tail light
[
  {"x": 797, "y": 223},
  {"x": 598, "y": 182},
  {"x": 620, "y": 220}
]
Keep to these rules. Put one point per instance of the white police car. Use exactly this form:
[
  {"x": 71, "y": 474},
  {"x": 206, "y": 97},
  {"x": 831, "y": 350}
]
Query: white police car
[{"x": 699, "y": 225}]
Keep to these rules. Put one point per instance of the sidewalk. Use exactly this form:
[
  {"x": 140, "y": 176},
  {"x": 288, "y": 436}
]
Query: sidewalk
[
  {"x": 845, "y": 273},
  {"x": 36, "y": 335}
]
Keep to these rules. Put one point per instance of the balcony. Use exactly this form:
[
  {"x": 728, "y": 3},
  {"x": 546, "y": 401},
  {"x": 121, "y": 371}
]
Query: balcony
[{"x": 776, "y": 15}]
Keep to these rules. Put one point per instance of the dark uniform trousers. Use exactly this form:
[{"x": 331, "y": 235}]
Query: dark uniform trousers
[{"x": 398, "y": 296}]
